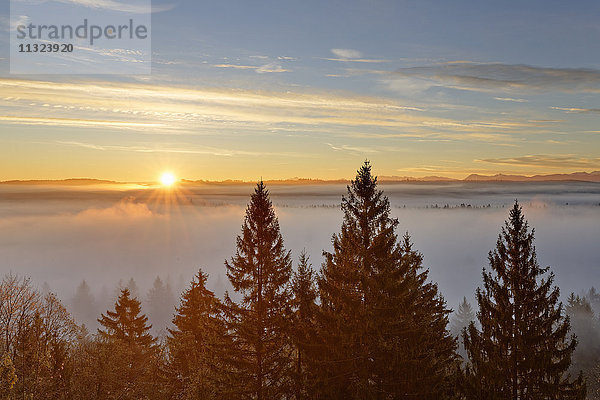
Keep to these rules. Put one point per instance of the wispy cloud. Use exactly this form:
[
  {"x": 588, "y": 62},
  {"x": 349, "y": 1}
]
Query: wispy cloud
[
  {"x": 262, "y": 69},
  {"x": 577, "y": 110},
  {"x": 353, "y": 149},
  {"x": 131, "y": 7},
  {"x": 188, "y": 149},
  {"x": 510, "y": 99},
  {"x": 235, "y": 66},
  {"x": 167, "y": 110},
  {"x": 346, "y": 53},
  {"x": 356, "y": 60},
  {"x": 350, "y": 55},
  {"x": 505, "y": 77},
  {"x": 7, "y": 24},
  {"x": 269, "y": 68},
  {"x": 78, "y": 122},
  {"x": 547, "y": 161}
]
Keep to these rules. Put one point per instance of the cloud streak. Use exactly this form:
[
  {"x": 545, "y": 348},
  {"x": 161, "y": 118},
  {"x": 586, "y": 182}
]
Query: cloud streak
[
  {"x": 346, "y": 53},
  {"x": 189, "y": 149},
  {"x": 510, "y": 99},
  {"x": 547, "y": 161},
  {"x": 156, "y": 109},
  {"x": 131, "y": 7},
  {"x": 503, "y": 77},
  {"x": 263, "y": 69},
  {"x": 350, "y": 55},
  {"x": 575, "y": 110}
]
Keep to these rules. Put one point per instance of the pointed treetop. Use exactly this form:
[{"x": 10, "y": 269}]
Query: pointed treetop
[
  {"x": 158, "y": 282},
  {"x": 125, "y": 294},
  {"x": 196, "y": 304},
  {"x": 84, "y": 286},
  {"x": 579, "y": 305},
  {"x": 516, "y": 213},
  {"x": 365, "y": 183},
  {"x": 464, "y": 307},
  {"x": 304, "y": 278},
  {"x": 259, "y": 199},
  {"x": 126, "y": 322}
]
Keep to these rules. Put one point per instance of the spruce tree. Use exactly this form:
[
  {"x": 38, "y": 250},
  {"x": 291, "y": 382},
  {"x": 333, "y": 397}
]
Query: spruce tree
[
  {"x": 585, "y": 327},
  {"x": 196, "y": 343},
  {"x": 382, "y": 325},
  {"x": 463, "y": 317},
  {"x": 128, "y": 348},
  {"x": 133, "y": 288},
  {"x": 127, "y": 323},
  {"x": 161, "y": 303},
  {"x": 304, "y": 307},
  {"x": 522, "y": 350},
  {"x": 84, "y": 306},
  {"x": 594, "y": 298},
  {"x": 260, "y": 322}
]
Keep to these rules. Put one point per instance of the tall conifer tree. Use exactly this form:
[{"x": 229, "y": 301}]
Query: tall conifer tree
[
  {"x": 585, "y": 326},
  {"x": 382, "y": 325},
  {"x": 127, "y": 323},
  {"x": 260, "y": 323},
  {"x": 463, "y": 317},
  {"x": 195, "y": 343},
  {"x": 522, "y": 350},
  {"x": 161, "y": 303},
  {"x": 128, "y": 349},
  {"x": 304, "y": 307}
]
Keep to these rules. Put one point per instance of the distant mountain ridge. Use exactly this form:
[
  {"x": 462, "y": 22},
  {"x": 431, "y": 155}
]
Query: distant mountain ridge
[
  {"x": 576, "y": 176},
  {"x": 66, "y": 182},
  {"x": 395, "y": 178}
]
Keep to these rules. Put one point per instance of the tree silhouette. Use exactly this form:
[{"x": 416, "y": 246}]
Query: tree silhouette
[
  {"x": 83, "y": 305},
  {"x": 128, "y": 348},
  {"x": 382, "y": 326},
  {"x": 161, "y": 303},
  {"x": 462, "y": 319},
  {"x": 305, "y": 308},
  {"x": 133, "y": 288},
  {"x": 260, "y": 323},
  {"x": 196, "y": 344},
  {"x": 522, "y": 350},
  {"x": 585, "y": 327},
  {"x": 594, "y": 298}
]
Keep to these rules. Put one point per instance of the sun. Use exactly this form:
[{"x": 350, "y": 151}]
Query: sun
[{"x": 167, "y": 179}]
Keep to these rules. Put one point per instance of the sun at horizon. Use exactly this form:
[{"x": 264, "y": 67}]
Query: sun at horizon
[{"x": 167, "y": 179}]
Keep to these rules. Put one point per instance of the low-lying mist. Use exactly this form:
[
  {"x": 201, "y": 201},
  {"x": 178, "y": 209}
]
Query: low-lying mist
[{"x": 61, "y": 236}]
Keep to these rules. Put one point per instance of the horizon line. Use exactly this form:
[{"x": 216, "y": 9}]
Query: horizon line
[{"x": 593, "y": 176}]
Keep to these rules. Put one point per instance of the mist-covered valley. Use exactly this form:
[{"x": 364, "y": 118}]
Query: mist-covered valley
[{"x": 61, "y": 235}]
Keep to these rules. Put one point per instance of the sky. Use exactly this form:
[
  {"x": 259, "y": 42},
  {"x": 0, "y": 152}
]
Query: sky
[{"x": 243, "y": 90}]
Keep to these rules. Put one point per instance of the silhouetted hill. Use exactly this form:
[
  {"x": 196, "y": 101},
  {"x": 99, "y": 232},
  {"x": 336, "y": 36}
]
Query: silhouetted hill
[
  {"x": 413, "y": 179},
  {"x": 576, "y": 176},
  {"x": 63, "y": 182}
]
